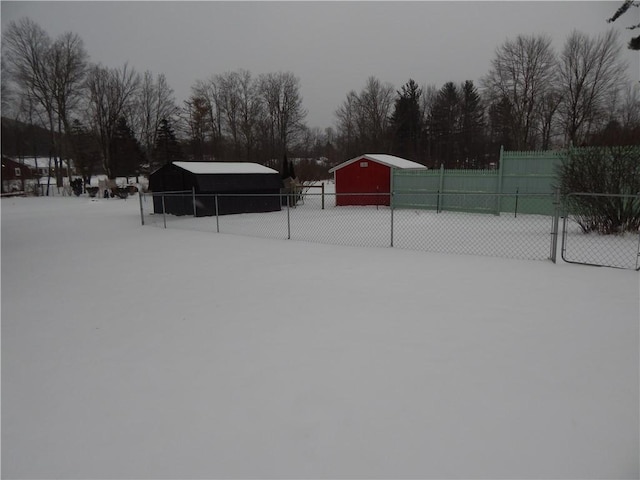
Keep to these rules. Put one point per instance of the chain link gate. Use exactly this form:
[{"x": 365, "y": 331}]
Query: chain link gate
[{"x": 602, "y": 230}]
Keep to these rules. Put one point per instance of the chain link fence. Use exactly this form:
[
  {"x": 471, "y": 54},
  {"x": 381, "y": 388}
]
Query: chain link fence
[
  {"x": 453, "y": 225},
  {"x": 460, "y": 229},
  {"x": 602, "y": 230}
]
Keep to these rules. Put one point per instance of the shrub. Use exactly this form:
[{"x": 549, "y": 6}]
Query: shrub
[{"x": 602, "y": 171}]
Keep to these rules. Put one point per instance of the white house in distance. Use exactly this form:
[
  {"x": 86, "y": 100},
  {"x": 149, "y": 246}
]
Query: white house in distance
[{"x": 40, "y": 166}]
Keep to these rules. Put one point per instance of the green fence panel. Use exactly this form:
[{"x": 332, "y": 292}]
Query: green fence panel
[
  {"x": 437, "y": 189},
  {"x": 530, "y": 172},
  {"x": 533, "y": 172},
  {"x": 416, "y": 188},
  {"x": 470, "y": 181},
  {"x": 523, "y": 173}
]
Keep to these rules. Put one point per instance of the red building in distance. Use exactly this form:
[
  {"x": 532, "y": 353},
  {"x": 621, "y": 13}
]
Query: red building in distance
[{"x": 366, "y": 179}]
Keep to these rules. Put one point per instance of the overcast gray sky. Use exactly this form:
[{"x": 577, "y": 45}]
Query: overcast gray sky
[{"x": 333, "y": 47}]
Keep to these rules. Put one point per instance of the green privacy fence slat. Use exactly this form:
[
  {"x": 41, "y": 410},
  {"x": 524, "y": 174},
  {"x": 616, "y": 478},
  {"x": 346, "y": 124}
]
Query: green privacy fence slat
[
  {"x": 531, "y": 172},
  {"x": 520, "y": 172}
]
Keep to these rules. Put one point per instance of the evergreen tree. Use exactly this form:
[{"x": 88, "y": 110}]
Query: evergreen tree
[
  {"x": 444, "y": 126},
  {"x": 126, "y": 153},
  {"x": 634, "y": 43},
  {"x": 471, "y": 126},
  {"x": 406, "y": 122},
  {"x": 166, "y": 149}
]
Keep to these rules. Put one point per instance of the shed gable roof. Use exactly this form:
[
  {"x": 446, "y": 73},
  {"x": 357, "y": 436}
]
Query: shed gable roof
[
  {"x": 388, "y": 160},
  {"x": 224, "y": 167}
]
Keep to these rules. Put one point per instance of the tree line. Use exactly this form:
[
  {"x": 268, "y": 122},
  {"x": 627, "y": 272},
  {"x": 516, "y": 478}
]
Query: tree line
[
  {"x": 531, "y": 98},
  {"x": 124, "y": 123}
]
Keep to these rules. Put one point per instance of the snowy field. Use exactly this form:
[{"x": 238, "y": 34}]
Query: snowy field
[{"x": 138, "y": 352}]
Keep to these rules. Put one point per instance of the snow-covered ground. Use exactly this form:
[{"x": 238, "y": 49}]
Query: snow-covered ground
[{"x": 135, "y": 352}]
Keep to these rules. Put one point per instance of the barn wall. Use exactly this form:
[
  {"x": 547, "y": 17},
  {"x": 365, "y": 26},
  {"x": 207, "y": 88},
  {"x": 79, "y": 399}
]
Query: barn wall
[
  {"x": 239, "y": 183},
  {"x": 233, "y": 189},
  {"x": 232, "y": 204},
  {"x": 374, "y": 178},
  {"x": 235, "y": 193},
  {"x": 169, "y": 178}
]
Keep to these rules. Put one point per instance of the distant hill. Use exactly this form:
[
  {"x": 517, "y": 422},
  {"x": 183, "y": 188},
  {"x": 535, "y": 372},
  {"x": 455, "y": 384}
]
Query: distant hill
[{"x": 22, "y": 140}]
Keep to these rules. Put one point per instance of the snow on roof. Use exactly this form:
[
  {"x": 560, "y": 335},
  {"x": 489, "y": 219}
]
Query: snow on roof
[
  {"x": 224, "y": 167},
  {"x": 42, "y": 162},
  {"x": 389, "y": 160}
]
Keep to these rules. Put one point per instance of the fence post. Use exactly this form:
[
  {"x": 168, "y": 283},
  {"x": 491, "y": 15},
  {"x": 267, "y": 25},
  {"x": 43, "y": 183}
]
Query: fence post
[
  {"x": 564, "y": 234},
  {"x": 288, "y": 221},
  {"x": 555, "y": 226},
  {"x": 515, "y": 213},
  {"x": 638, "y": 256},
  {"x": 193, "y": 193},
  {"x": 141, "y": 209},
  {"x": 322, "y": 185},
  {"x": 392, "y": 219},
  {"x": 164, "y": 215},
  {"x": 441, "y": 187},
  {"x": 500, "y": 174},
  {"x": 217, "y": 216}
]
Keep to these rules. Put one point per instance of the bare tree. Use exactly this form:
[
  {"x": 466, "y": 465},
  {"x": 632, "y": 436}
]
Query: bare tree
[
  {"x": 48, "y": 73},
  {"x": 26, "y": 48},
  {"x": 208, "y": 109},
  {"x": 155, "y": 102},
  {"x": 630, "y": 108},
  {"x": 68, "y": 65},
  {"x": 591, "y": 73},
  {"x": 376, "y": 102},
  {"x": 548, "y": 117},
  {"x": 111, "y": 95},
  {"x": 196, "y": 126},
  {"x": 346, "y": 125},
  {"x": 281, "y": 95},
  {"x": 6, "y": 93},
  {"x": 251, "y": 111},
  {"x": 230, "y": 102},
  {"x": 25, "y": 51},
  {"x": 522, "y": 73},
  {"x": 363, "y": 118}
]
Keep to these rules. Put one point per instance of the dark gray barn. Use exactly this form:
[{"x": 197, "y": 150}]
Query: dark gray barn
[{"x": 241, "y": 188}]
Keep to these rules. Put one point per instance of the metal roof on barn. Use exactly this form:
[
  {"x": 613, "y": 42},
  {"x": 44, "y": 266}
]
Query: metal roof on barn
[
  {"x": 206, "y": 168},
  {"x": 389, "y": 160}
]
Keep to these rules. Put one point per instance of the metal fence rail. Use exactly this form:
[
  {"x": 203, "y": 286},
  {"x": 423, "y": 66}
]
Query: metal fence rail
[{"x": 313, "y": 218}]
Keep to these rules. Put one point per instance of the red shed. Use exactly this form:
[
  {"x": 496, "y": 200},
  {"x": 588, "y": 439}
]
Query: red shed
[{"x": 370, "y": 174}]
